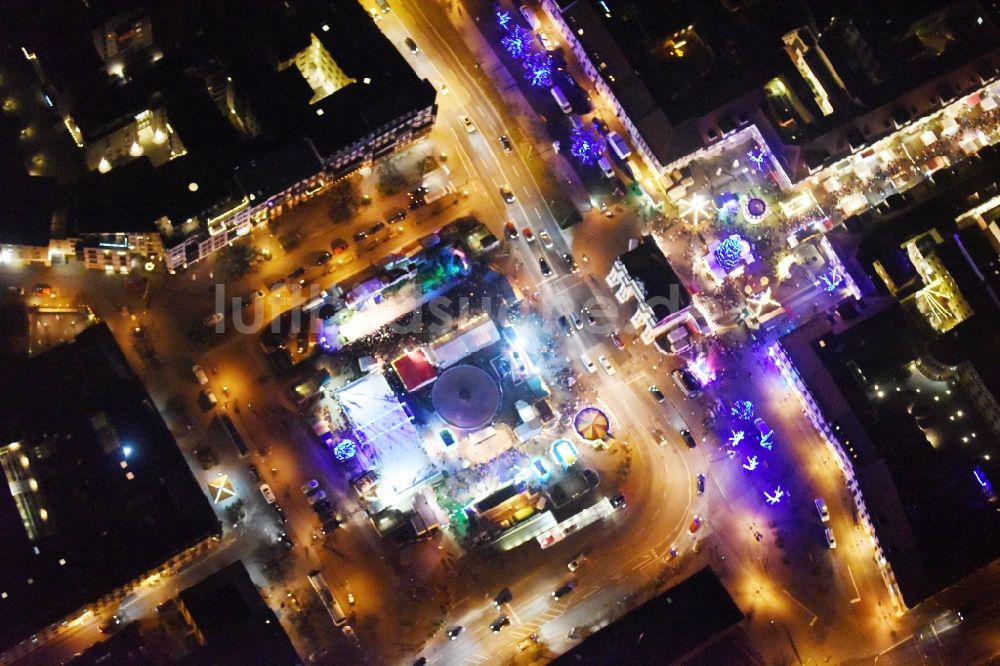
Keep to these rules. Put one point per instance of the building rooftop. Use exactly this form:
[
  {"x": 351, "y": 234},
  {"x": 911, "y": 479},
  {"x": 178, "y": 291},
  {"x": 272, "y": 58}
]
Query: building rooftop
[
  {"x": 237, "y": 626},
  {"x": 97, "y": 491},
  {"x": 664, "y": 629},
  {"x": 235, "y": 106},
  {"x": 902, "y": 424},
  {"x": 28, "y": 204},
  {"x": 662, "y": 288}
]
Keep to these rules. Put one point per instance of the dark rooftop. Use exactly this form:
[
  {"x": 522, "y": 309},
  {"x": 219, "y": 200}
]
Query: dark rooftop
[
  {"x": 238, "y": 627},
  {"x": 26, "y": 213},
  {"x": 664, "y": 629},
  {"x": 103, "y": 492},
  {"x": 664, "y": 291},
  {"x": 914, "y": 473}
]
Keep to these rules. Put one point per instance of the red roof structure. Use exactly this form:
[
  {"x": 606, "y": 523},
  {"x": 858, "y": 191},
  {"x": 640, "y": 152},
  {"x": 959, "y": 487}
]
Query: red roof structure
[{"x": 414, "y": 369}]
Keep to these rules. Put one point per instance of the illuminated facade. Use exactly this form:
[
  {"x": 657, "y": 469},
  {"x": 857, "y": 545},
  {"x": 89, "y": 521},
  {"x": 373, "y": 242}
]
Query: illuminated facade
[{"x": 319, "y": 69}]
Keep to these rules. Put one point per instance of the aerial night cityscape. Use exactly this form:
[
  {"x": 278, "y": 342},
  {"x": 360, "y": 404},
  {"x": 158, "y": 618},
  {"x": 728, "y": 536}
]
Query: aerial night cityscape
[{"x": 459, "y": 332}]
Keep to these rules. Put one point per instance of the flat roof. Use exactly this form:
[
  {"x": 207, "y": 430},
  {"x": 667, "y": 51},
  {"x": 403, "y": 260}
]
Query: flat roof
[
  {"x": 664, "y": 629},
  {"x": 238, "y": 627},
  {"x": 28, "y": 202},
  {"x": 414, "y": 369},
  {"x": 97, "y": 491},
  {"x": 916, "y": 477}
]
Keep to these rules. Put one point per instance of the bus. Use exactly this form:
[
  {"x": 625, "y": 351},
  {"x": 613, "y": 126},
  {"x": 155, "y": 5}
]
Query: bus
[
  {"x": 234, "y": 435},
  {"x": 329, "y": 602}
]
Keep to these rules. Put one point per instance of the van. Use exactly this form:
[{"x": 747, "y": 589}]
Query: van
[
  {"x": 529, "y": 15},
  {"x": 560, "y": 98},
  {"x": 618, "y": 145},
  {"x": 605, "y": 165}
]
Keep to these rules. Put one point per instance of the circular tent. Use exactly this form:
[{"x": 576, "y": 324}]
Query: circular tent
[
  {"x": 466, "y": 397},
  {"x": 592, "y": 424}
]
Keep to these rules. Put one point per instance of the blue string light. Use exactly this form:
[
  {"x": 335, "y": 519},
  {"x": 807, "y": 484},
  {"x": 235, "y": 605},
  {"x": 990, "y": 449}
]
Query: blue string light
[
  {"x": 345, "y": 450},
  {"x": 743, "y": 410},
  {"x": 774, "y": 497},
  {"x": 586, "y": 145},
  {"x": 503, "y": 18},
  {"x": 832, "y": 279}
]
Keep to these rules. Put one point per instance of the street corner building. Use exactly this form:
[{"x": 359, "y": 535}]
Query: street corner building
[{"x": 98, "y": 497}]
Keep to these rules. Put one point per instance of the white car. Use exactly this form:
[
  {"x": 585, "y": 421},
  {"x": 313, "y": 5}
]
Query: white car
[
  {"x": 469, "y": 126},
  {"x": 830, "y": 541},
  {"x": 268, "y": 494},
  {"x": 824, "y": 513},
  {"x": 575, "y": 318},
  {"x": 546, "y": 41},
  {"x": 588, "y": 365},
  {"x": 606, "y": 364},
  {"x": 545, "y": 238},
  {"x": 200, "y": 375}
]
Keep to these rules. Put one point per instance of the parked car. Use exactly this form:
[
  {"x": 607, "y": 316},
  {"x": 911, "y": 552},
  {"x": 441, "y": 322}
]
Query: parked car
[
  {"x": 454, "y": 632},
  {"x": 577, "y": 322},
  {"x": 619, "y": 501},
  {"x": 412, "y": 45},
  {"x": 377, "y": 227},
  {"x": 700, "y": 484},
  {"x": 507, "y": 193},
  {"x": 686, "y": 382},
  {"x": 510, "y": 230},
  {"x": 316, "y": 497},
  {"x": 467, "y": 123},
  {"x": 831, "y": 542},
  {"x": 544, "y": 266},
  {"x": 588, "y": 365},
  {"x": 575, "y": 563},
  {"x": 570, "y": 262},
  {"x": 338, "y": 245},
  {"x": 310, "y": 487},
  {"x": 268, "y": 494},
  {"x": 254, "y": 472},
  {"x": 545, "y": 238},
  {"x": 199, "y": 374},
  {"x": 564, "y": 325},
  {"x": 657, "y": 393},
  {"x": 528, "y": 234},
  {"x": 616, "y": 340},
  {"x": 297, "y": 273},
  {"x": 360, "y": 236},
  {"x": 398, "y": 216},
  {"x": 688, "y": 439},
  {"x": 824, "y": 513},
  {"x": 606, "y": 364}
]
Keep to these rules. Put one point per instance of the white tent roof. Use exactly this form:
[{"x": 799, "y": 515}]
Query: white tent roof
[{"x": 452, "y": 351}]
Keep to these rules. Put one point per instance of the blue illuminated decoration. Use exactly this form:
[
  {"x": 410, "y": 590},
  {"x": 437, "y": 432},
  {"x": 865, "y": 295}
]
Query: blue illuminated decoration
[
  {"x": 736, "y": 437},
  {"x": 344, "y": 450},
  {"x": 538, "y": 68},
  {"x": 517, "y": 42},
  {"x": 775, "y": 497},
  {"x": 729, "y": 252},
  {"x": 743, "y": 409},
  {"x": 757, "y": 157},
  {"x": 586, "y": 145},
  {"x": 750, "y": 464},
  {"x": 832, "y": 279},
  {"x": 765, "y": 439},
  {"x": 503, "y": 18}
]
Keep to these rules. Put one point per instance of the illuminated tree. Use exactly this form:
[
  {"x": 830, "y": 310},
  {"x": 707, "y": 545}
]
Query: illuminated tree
[
  {"x": 345, "y": 450},
  {"x": 729, "y": 252},
  {"x": 586, "y": 145},
  {"x": 517, "y": 42},
  {"x": 537, "y": 68},
  {"x": 743, "y": 409},
  {"x": 503, "y": 17}
]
